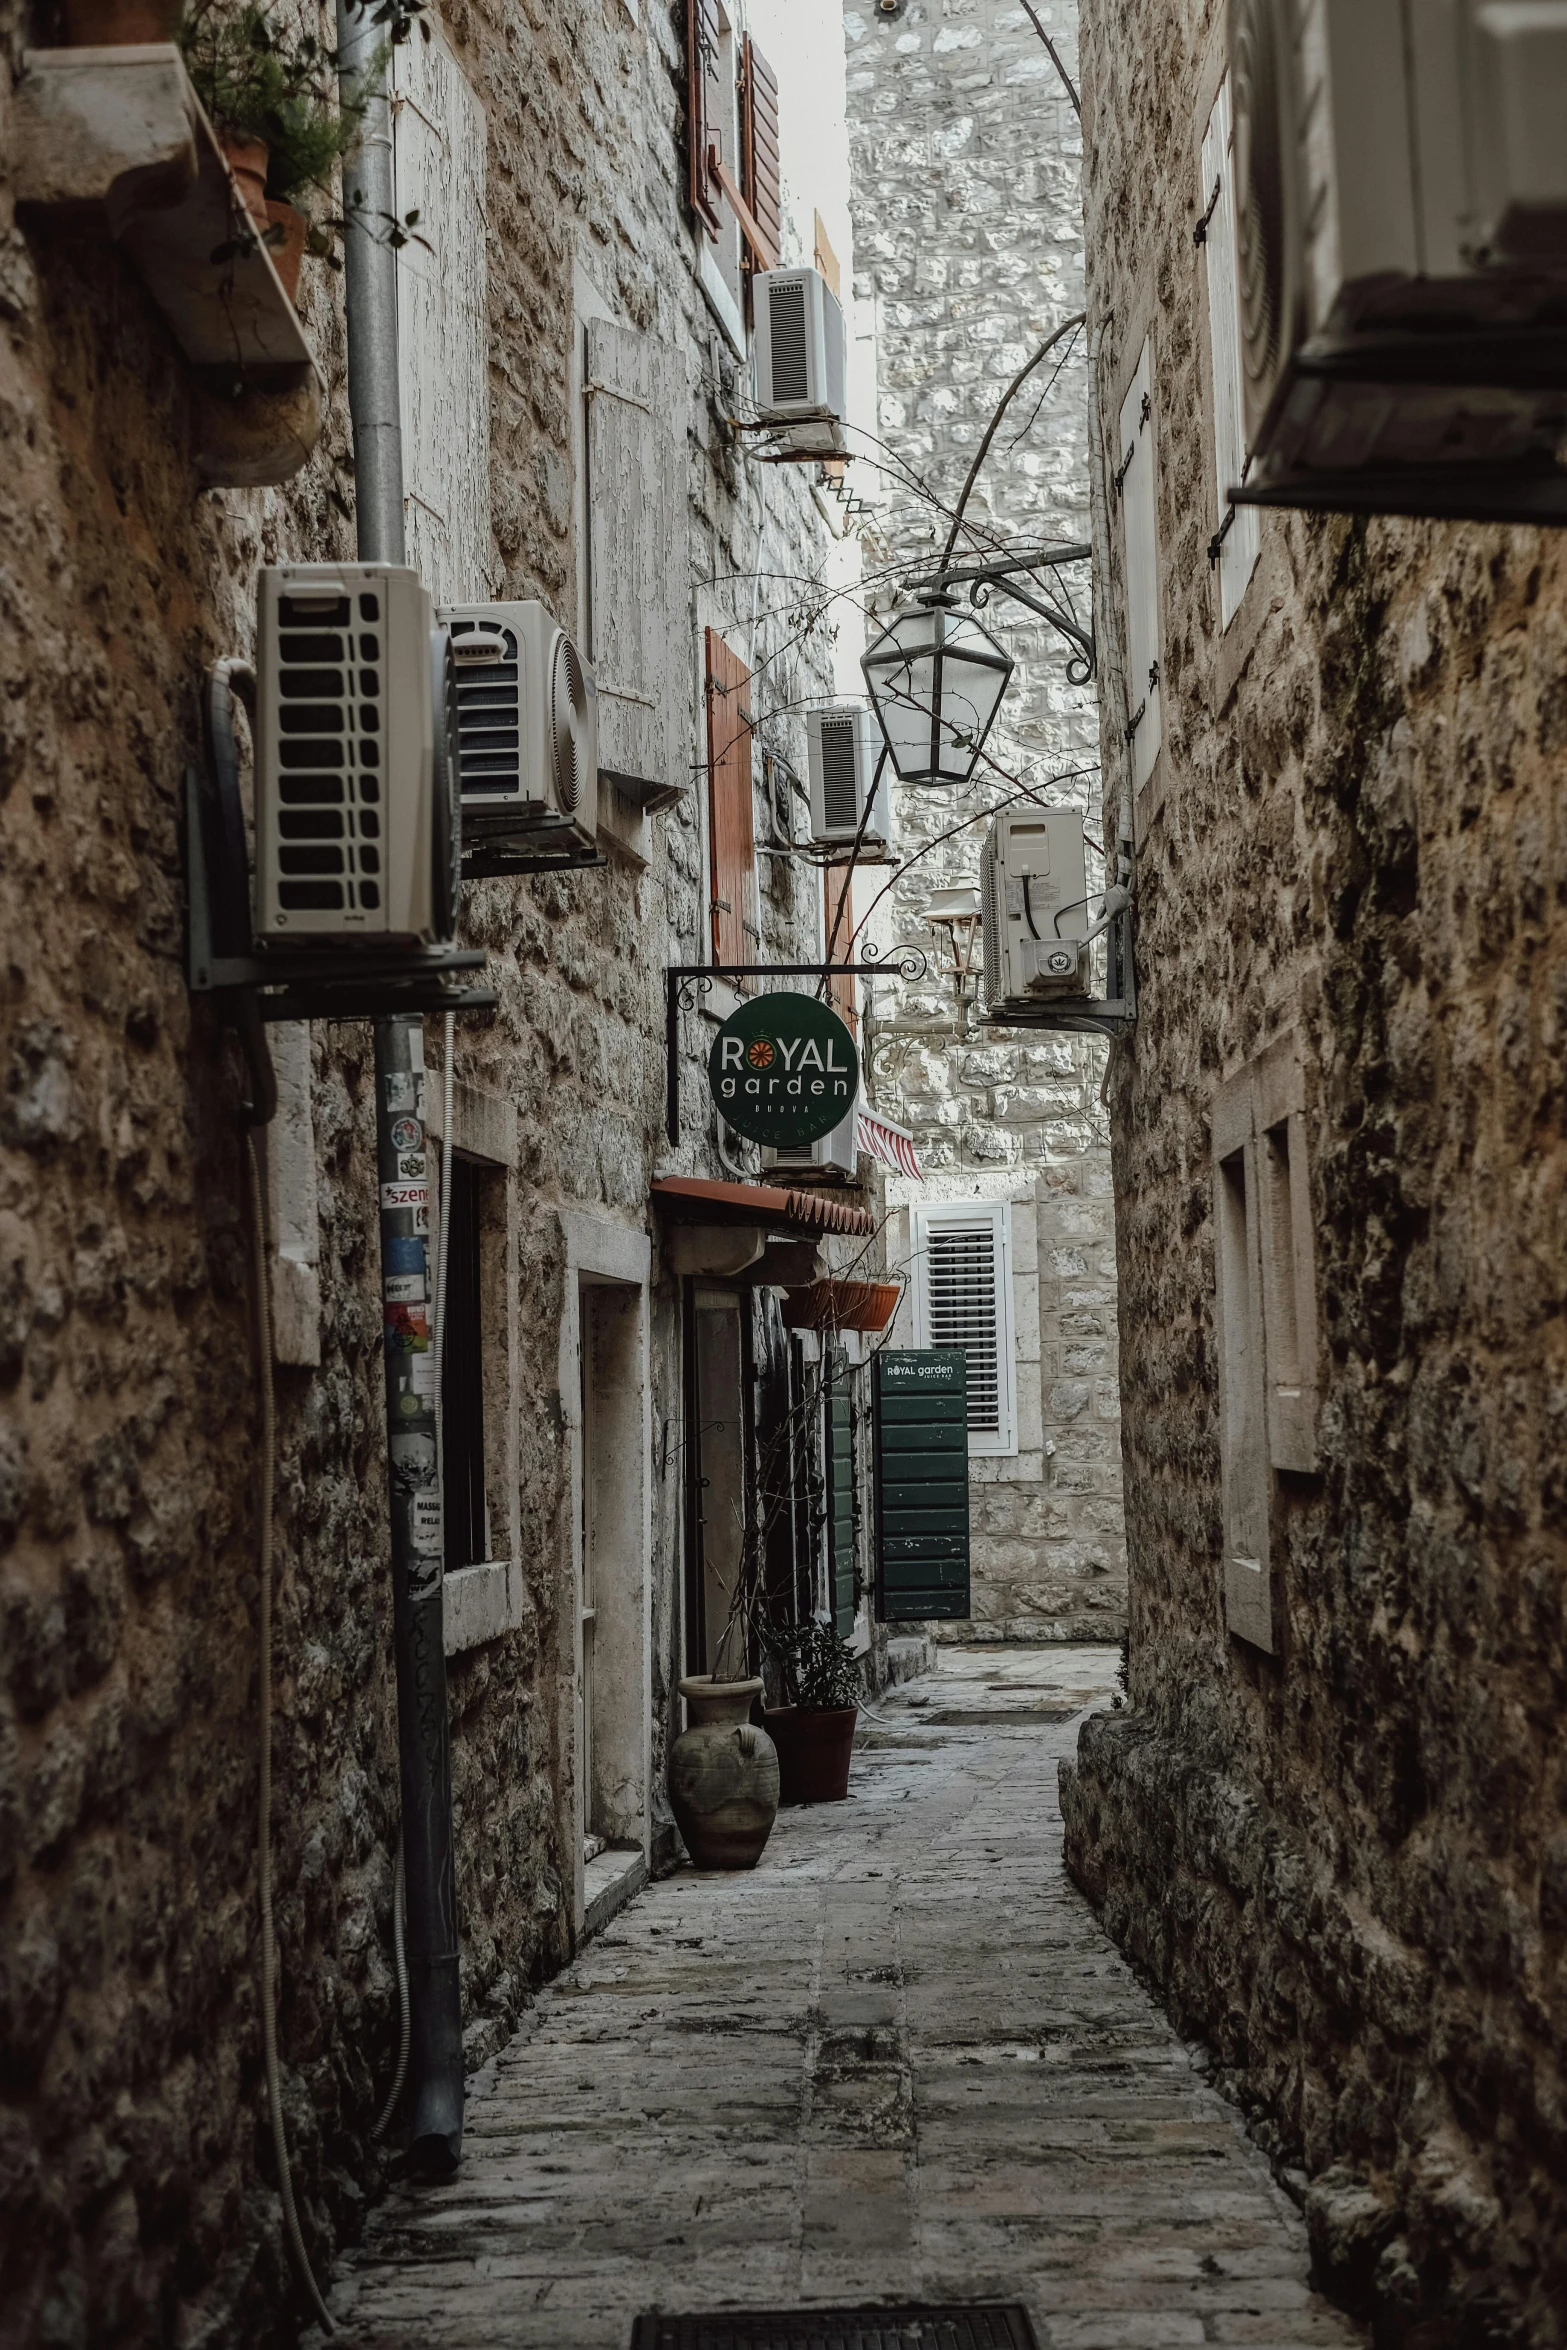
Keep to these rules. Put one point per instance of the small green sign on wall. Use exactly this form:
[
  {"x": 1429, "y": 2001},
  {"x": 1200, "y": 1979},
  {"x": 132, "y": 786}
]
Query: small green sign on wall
[{"x": 784, "y": 1070}]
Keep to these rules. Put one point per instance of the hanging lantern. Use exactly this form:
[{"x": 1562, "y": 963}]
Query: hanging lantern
[{"x": 936, "y": 679}]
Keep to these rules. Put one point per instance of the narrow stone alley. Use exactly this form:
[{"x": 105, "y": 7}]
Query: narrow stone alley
[{"x": 900, "y": 2060}]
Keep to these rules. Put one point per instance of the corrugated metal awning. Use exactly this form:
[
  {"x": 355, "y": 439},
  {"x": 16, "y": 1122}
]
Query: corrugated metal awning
[{"x": 691, "y": 1199}]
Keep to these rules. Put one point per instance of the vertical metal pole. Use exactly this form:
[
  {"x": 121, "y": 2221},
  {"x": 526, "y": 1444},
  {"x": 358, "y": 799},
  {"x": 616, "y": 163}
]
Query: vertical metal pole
[{"x": 435, "y": 2080}]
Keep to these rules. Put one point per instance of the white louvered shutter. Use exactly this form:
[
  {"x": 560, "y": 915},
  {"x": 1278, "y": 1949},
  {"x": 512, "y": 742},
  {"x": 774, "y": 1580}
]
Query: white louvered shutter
[
  {"x": 1140, "y": 552},
  {"x": 637, "y": 619},
  {"x": 1241, "y": 525},
  {"x": 963, "y": 1298},
  {"x": 443, "y": 321}
]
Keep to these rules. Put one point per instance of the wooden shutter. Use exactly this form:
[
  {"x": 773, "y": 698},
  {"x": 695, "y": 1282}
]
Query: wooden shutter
[
  {"x": 443, "y": 321},
  {"x": 1140, "y": 554},
  {"x": 922, "y": 1507},
  {"x": 1241, "y": 526},
  {"x": 963, "y": 1299},
  {"x": 701, "y": 78},
  {"x": 840, "y": 992},
  {"x": 736, "y": 934},
  {"x": 636, "y": 569},
  {"x": 838, "y": 1450},
  {"x": 761, "y": 181}
]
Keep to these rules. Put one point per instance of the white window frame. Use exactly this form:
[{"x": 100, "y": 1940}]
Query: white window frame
[
  {"x": 969, "y": 1214},
  {"x": 1134, "y": 463},
  {"x": 1240, "y": 526}
]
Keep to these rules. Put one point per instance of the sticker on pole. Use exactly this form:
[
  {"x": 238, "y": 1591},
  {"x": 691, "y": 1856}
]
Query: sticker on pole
[{"x": 784, "y": 1070}]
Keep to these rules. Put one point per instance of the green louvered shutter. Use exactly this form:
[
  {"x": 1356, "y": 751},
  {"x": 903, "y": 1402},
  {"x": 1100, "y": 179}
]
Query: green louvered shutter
[
  {"x": 922, "y": 1547},
  {"x": 839, "y": 1450}
]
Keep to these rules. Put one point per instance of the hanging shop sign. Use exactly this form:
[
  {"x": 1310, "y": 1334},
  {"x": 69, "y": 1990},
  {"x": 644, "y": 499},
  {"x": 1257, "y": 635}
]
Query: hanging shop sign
[{"x": 784, "y": 1070}]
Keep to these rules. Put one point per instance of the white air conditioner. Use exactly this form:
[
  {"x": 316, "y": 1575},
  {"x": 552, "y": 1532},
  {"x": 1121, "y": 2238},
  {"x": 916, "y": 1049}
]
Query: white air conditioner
[
  {"x": 845, "y": 751},
  {"x": 358, "y": 827},
  {"x": 800, "y": 356},
  {"x": 1034, "y": 905},
  {"x": 831, "y": 1154},
  {"x": 1401, "y": 184},
  {"x": 527, "y": 724}
]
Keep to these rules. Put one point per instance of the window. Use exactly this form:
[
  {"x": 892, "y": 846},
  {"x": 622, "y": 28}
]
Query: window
[
  {"x": 1140, "y": 554},
  {"x": 438, "y": 159},
  {"x": 963, "y": 1298},
  {"x": 735, "y": 182},
  {"x": 1239, "y": 526},
  {"x": 737, "y": 934},
  {"x": 462, "y": 1377},
  {"x": 1265, "y": 1322}
]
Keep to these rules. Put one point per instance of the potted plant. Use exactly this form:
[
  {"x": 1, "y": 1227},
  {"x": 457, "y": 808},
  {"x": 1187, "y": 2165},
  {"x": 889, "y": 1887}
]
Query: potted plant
[
  {"x": 723, "y": 1771},
  {"x": 814, "y": 1730},
  {"x": 273, "y": 99}
]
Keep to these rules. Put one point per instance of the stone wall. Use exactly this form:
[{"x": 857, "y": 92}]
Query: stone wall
[
  {"x": 135, "y": 2175},
  {"x": 1343, "y": 1863},
  {"x": 967, "y": 189}
]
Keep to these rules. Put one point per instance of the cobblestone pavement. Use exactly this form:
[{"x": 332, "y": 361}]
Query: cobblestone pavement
[{"x": 899, "y": 2060}]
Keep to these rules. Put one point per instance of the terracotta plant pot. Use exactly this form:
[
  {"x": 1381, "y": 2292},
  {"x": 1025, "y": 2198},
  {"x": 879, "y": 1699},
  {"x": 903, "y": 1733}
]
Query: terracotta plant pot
[
  {"x": 287, "y": 256},
  {"x": 723, "y": 1775},
  {"x": 247, "y": 160},
  {"x": 120, "y": 24},
  {"x": 814, "y": 1751},
  {"x": 842, "y": 1305}
]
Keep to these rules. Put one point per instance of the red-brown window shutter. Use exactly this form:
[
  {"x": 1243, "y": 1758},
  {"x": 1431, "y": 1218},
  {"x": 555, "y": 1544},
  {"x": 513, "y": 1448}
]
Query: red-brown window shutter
[
  {"x": 730, "y": 826},
  {"x": 760, "y": 180},
  {"x": 840, "y": 949},
  {"x": 701, "y": 64}
]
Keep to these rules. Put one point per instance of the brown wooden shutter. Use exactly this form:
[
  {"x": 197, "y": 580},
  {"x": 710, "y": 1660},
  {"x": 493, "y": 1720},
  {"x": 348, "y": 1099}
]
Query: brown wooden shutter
[
  {"x": 760, "y": 180},
  {"x": 736, "y": 936},
  {"x": 840, "y": 992},
  {"x": 701, "y": 67}
]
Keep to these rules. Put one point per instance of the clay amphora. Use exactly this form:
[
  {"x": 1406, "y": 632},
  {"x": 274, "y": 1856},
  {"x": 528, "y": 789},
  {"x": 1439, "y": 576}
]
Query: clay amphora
[{"x": 723, "y": 1775}]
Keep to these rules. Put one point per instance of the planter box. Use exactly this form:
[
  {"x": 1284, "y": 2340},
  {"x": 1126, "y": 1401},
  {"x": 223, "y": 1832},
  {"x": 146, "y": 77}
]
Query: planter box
[
  {"x": 813, "y": 1752},
  {"x": 842, "y": 1305}
]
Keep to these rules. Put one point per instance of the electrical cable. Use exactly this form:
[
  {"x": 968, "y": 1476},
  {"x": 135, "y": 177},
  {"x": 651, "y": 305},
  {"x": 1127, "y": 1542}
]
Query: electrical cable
[{"x": 291, "y": 2229}]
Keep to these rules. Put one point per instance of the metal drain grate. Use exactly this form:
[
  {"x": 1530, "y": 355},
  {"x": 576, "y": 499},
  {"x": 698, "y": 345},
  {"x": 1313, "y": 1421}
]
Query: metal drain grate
[{"x": 987, "y": 2326}]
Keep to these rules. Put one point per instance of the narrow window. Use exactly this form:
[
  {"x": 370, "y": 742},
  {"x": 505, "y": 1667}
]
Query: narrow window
[
  {"x": 1134, "y": 476},
  {"x": 462, "y": 1376},
  {"x": 1239, "y": 526},
  {"x": 1248, "y": 1606},
  {"x": 963, "y": 1298},
  {"x": 1288, "y": 1304}
]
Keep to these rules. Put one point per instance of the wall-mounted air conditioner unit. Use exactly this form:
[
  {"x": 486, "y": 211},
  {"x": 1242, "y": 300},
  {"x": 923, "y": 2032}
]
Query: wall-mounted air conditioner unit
[
  {"x": 830, "y": 1154},
  {"x": 800, "y": 356},
  {"x": 846, "y": 748},
  {"x": 1401, "y": 182},
  {"x": 1034, "y": 905},
  {"x": 358, "y": 827},
  {"x": 526, "y": 724}
]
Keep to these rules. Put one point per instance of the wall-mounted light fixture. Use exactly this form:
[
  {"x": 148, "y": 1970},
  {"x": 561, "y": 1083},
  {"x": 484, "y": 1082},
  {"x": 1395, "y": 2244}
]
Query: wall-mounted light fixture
[
  {"x": 954, "y": 916},
  {"x": 935, "y": 679}
]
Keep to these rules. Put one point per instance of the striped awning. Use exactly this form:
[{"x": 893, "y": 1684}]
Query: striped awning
[{"x": 893, "y": 1145}]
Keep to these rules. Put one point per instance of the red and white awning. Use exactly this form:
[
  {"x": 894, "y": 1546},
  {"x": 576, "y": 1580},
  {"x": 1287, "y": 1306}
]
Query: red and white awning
[{"x": 893, "y": 1145}]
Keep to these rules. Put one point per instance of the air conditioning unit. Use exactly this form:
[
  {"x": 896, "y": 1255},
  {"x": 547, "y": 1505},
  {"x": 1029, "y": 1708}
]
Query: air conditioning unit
[
  {"x": 830, "y": 1154},
  {"x": 1034, "y": 906},
  {"x": 358, "y": 826},
  {"x": 527, "y": 725},
  {"x": 1401, "y": 186},
  {"x": 845, "y": 752},
  {"x": 800, "y": 357}
]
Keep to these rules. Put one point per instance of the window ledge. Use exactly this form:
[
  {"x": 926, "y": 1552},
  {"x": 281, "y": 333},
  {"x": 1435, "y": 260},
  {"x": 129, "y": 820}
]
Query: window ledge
[
  {"x": 482, "y": 1602},
  {"x": 119, "y": 134}
]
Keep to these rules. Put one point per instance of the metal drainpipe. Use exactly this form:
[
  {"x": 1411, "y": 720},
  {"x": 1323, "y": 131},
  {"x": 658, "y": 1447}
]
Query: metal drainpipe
[{"x": 435, "y": 2068}]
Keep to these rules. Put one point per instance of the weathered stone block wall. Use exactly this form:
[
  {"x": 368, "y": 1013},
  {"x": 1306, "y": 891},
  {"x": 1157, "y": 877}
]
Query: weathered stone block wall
[
  {"x": 136, "y": 2184},
  {"x": 967, "y": 164},
  {"x": 1345, "y": 1865}
]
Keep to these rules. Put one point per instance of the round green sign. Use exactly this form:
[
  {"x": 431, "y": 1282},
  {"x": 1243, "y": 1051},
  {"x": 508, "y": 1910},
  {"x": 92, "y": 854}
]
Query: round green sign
[{"x": 784, "y": 1070}]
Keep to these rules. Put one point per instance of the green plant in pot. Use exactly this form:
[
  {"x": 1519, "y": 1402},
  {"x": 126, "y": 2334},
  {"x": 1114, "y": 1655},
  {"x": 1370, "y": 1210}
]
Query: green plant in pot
[
  {"x": 272, "y": 95},
  {"x": 814, "y": 1729}
]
